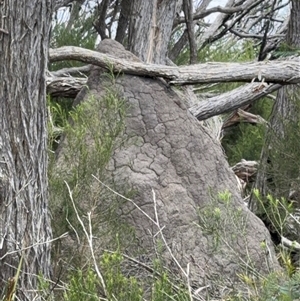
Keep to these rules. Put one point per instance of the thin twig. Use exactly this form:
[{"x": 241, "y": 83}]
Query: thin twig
[
  {"x": 89, "y": 237},
  {"x": 162, "y": 236},
  {"x": 129, "y": 200},
  {"x": 157, "y": 224},
  {"x": 33, "y": 245}
]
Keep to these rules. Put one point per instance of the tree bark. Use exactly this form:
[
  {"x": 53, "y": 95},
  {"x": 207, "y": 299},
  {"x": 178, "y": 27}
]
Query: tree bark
[
  {"x": 150, "y": 29},
  {"x": 123, "y": 21},
  {"x": 188, "y": 13},
  {"x": 283, "y": 72},
  {"x": 24, "y": 222},
  {"x": 231, "y": 100}
]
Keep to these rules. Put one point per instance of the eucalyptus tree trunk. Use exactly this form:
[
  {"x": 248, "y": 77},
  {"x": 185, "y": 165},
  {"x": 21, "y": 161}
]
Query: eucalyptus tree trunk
[
  {"x": 25, "y": 229},
  {"x": 150, "y": 28}
]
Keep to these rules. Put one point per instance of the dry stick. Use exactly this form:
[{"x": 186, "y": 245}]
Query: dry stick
[
  {"x": 89, "y": 237},
  {"x": 162, "y": 236},
  {"x": 36, "y": 244},
  {"x": 3, "y": 31},
  {"x": 123, "y": 197},
  {"x": 186, "y": 274},
  {"x": 73, "y": 228}
]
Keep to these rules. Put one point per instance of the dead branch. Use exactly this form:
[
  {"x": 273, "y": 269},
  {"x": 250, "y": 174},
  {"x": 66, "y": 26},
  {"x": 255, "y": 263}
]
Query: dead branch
[
  {"x": 217, "y": 9},
  {"x": 284, "y": 72},
  {"x": 65, "y": 86},
  {"x": 231, "y": 100},
  {"x": 72, "y": 71},
  {"x": 246, "y": 170},
  {"x": 241, "y": 115}
]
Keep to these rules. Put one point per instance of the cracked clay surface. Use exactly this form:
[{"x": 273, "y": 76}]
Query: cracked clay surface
[{"x": 167, "y": 150}]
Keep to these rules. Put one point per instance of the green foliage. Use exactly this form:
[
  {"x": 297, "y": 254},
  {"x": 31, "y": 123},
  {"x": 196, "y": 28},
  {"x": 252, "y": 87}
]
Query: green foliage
[
  {"x": 275, "y": 211},
  {"x": 221, "y": 221},
  {"x": 224, "y": 50},
  {"x": 118, "y": 286},
  {"x": 82, "y": 286},
  {"x": 285, "y": 50},
  {"x": 44, "y": 287},
  {"x": 275, "y": 286},
  {"x": 81, "y": 34},
  {"x": 91, "y": 133},
  {"x": 164, "y": 286},
  {"x": 58, "y": 114},
  {"x": 277, "y": 215},
  {"x": 214, "y": 220},
  {"x": 245, "y": 141},
  {"x": 85, "y": 285}
]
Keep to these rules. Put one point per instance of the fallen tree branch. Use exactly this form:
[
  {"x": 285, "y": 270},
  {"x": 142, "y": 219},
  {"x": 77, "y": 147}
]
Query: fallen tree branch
[
  {"x": 242, "y": 115},
  {"x": 212, "y": 106},
  {"x": 67, "y": 87},
  {"x": 231, "y": 100},
  {"x": 73, "y": 71},
  {"x": 283, "y": 72},
  {"x": 246, "y": 170}
]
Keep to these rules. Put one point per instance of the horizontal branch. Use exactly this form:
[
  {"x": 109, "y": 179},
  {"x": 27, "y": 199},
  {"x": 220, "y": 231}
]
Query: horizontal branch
[
  {"x": 67, "y": 87},
  {"x": 283, "y": 72},
  {"x": 232, "y": 100},
  {"x": 212, "y": 106},
  {"x": 73, "y": 71}
]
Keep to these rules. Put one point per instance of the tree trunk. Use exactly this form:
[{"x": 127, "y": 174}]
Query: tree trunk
[
  {"x": 24, "y": 224},
  {"x": 279, "y": 162},
  {"x": 150, "y": 29}
]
